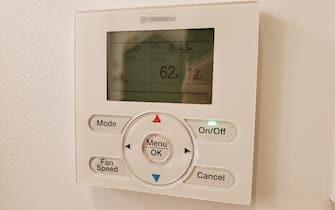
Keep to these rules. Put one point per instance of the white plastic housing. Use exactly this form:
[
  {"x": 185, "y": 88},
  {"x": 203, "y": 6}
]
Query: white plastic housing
[{"x": 233, "y": 102}]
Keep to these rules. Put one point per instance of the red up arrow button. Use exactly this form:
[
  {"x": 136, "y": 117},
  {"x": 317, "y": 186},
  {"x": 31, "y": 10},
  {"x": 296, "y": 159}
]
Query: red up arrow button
[{"x": 156, "y": 119}]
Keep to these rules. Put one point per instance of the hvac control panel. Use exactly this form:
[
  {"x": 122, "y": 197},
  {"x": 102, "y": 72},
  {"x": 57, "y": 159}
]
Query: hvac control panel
[{"x": 165, "y": 99}]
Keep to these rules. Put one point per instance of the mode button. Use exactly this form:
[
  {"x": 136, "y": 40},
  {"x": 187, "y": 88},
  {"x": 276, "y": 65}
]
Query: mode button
[{"x": 112, "y": 124}]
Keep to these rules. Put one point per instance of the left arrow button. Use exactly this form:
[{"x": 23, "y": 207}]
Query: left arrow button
[{"x": 128, "y": 146}]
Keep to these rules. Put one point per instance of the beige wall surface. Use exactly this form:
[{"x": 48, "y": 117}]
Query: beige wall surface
[{"x": 295, "y": 110}]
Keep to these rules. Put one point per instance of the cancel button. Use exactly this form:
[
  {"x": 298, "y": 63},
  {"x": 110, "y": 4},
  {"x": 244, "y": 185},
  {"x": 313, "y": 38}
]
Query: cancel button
[{"x": 212, "y": 177}]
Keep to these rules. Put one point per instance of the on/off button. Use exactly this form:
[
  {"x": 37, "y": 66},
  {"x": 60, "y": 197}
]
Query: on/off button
[
  {"x": 219, "y": 130},
  {"x": 156, "y": 148}
]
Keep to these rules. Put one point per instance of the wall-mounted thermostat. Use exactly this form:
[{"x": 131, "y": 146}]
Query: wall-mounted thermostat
[{"x": 165, "y": 99}]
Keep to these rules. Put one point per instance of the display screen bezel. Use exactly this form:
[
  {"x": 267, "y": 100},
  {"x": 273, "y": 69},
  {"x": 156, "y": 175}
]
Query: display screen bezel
[{"x": 208, "y": 101}]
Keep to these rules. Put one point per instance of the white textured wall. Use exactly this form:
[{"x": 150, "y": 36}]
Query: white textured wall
[{"x": 294, "y": 126}]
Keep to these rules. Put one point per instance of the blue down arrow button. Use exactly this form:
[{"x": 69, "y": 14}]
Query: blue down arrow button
[{"x": 156, "y": 177}]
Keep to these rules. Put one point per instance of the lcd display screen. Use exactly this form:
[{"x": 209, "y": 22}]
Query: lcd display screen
[{"x": 173, "y": 66}]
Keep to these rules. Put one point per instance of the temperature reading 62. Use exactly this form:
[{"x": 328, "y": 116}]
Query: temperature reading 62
[{"x": 168, "y": 72}]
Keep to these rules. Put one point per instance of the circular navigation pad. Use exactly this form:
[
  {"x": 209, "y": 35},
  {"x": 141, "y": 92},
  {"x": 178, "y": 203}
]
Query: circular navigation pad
[{"x": 157, "y": 148}]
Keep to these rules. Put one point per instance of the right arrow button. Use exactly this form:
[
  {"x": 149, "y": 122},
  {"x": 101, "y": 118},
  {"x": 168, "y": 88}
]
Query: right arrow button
[{"x": 186, "y": 150}]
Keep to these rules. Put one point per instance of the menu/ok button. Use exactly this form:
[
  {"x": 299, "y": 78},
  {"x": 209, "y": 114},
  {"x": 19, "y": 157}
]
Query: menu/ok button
[
  {"x": 156, "y": 148},
  {"x": 112, "y": 124}
]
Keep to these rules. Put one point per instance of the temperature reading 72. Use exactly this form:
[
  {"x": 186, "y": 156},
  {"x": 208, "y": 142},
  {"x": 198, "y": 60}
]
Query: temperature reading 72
[{"x": 194, "y": 74}]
